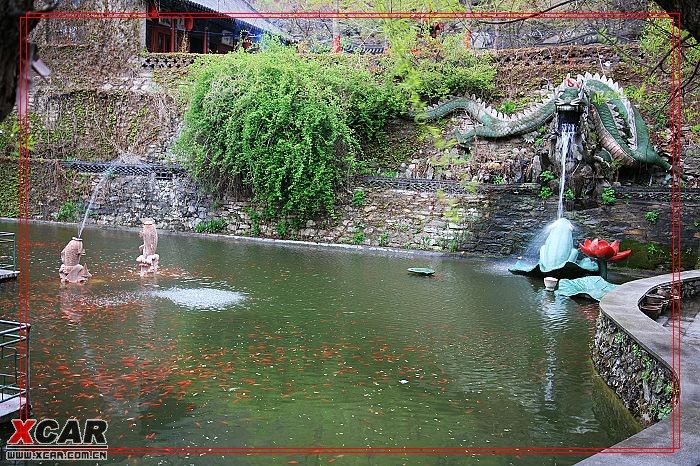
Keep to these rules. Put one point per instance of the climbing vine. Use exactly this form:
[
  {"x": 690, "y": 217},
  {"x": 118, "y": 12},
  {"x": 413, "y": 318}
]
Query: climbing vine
[
  {"x": 283, "y": 124},
  {"x": 292, "y": 127},
  {"x": 9, "y": 188}
]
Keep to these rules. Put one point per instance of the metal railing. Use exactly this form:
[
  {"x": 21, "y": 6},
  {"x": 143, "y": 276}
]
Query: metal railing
[
  {"x": 127, "y": 169},
  {"x": 14, "y": 361},
  {"x": 7, "y": 243}
]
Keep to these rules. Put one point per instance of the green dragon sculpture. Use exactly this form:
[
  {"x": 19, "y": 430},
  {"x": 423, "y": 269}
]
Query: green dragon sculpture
[{"x": 623, "y": 133}]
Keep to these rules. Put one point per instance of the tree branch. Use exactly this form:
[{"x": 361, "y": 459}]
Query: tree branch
[{"x": 533, "y": 15}]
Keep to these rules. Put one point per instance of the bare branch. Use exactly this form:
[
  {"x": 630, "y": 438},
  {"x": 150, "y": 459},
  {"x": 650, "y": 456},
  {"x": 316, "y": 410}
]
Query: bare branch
[{"x": 534, "y": 15}]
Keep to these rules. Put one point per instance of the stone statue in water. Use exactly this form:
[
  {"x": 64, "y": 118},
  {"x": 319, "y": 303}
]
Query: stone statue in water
[
  {"x": 71, "y": 271},
  {"x": 148, "y": 260}
]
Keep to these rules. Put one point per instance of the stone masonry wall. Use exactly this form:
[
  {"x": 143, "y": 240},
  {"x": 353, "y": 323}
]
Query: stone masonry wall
[
  {"x": 645, "y": 385},
  {"x": 496, "y": 220}
]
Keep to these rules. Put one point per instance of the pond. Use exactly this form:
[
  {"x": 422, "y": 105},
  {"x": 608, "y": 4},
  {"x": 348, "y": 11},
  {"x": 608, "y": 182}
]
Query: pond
[{"x": 241, "y": 344}]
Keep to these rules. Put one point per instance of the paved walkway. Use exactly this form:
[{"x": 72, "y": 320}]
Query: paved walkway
[{"x": 621, "y": 306}]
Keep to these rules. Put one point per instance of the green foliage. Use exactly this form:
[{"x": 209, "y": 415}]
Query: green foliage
[
  {"x": 358, "y": 197},
  {"x": 67, "y": 212},
  {"x": 618, "y": 339},
  {"x": 211, "y": 226},
  {"x": 652, "y": 255},
  {"x": 569, "y": 194},
  {"x": 359, "y": 237},
  {"x": 282, "y": 228},
  {"x": 472, "y": 187},
  {"x": 658, "y": 37},
  {"x": 665, "y": 411},
  {"x": 498, "y": 179},
  {"x": 546, "y": 192},
  {"x": 9, "y": 188},
  {"x": 547, "y": 176},
  {"x": 636, "y": 350},
  {"x": 384, "y": 239},
  {"x": 607, "y": 197},
  {"x": 10, "y": 135},
  {"x": 286, "y": 125},
  {"x": 652, "y": 216},
  {"x": 508, "y": 107},
  {"x": 435, "y": 68}
]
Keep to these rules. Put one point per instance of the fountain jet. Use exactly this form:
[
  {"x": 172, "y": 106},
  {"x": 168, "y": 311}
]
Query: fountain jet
[{"x": 105, "y": 174}]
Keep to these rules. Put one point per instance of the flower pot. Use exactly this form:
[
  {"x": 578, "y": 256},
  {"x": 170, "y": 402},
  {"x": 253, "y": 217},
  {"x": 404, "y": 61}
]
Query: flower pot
[
  {"x": 550, "y": 283},
  {"x": 653, "y": 311}
]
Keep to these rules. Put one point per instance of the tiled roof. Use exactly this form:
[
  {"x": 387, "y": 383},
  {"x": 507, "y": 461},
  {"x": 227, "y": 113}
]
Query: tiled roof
[{"x": 235, "y": 6}]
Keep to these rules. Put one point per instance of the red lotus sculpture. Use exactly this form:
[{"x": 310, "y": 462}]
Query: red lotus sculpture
[{"x": 603, "y": 252}]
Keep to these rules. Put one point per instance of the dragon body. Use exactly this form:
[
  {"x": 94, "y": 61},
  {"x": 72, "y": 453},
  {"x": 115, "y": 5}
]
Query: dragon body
[{"x": 623, "y": 134}]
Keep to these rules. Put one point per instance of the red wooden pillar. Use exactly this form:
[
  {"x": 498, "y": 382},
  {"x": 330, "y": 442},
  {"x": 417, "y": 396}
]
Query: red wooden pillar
[
  {"x": 206, "y": 40},
  {"x": 172, "y": 35}
]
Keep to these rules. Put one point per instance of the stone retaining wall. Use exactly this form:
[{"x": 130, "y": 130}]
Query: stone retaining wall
[
  {"x": 645, "y": 385},
  {"x": 500, "y": 221},
  {"x": 635, "y": 355}
]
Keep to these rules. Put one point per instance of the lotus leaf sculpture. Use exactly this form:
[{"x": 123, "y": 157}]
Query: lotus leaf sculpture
[{"x": 558, "y": 257}]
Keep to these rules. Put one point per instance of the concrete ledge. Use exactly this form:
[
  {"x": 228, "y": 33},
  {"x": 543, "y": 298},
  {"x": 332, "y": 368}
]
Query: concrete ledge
[{"x": 621, "y": 306}]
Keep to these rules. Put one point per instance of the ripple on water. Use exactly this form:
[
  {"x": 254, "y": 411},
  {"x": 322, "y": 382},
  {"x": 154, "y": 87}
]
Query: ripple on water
[{"x": 204, "y": 299}]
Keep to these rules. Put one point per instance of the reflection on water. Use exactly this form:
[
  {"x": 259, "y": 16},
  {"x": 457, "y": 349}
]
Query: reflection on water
[{"x": 316, "y": 348}]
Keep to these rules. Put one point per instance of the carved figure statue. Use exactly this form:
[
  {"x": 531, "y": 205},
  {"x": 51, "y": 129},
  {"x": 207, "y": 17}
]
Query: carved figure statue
[
  {"x": 148, "y": 260},
  {"x": 71, "y": 271}
]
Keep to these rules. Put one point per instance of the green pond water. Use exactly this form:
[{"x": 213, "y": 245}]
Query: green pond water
[{"x": 241, "y": 344}]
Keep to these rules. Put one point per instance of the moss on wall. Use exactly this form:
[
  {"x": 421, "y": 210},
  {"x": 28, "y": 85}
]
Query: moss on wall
[
  {"x": 651, "y": 255},
  {"x": 98, "y": 125},
  {"x": 9, "y": 187}
]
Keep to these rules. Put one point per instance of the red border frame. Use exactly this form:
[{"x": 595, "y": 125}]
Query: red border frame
[{"x": 23, "y": 196}]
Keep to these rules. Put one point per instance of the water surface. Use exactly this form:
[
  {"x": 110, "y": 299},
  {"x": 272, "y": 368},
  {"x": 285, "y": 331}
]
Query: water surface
[{"x": 238, "y": 344}]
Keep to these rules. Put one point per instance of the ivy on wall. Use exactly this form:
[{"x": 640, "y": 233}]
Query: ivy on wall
[
  {"x": 9, "y": 187},
  {"x": 101, "y": 126}
]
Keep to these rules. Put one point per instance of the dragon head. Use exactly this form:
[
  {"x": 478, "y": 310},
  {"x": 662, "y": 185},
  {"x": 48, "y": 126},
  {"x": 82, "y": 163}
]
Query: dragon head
[{"x": 570, "y": 103}]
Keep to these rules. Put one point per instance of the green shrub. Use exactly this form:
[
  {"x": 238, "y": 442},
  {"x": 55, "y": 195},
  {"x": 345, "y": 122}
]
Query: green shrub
[
  {"x": 652, "y": 216},
  {"x": 438, "y": 68},
  {"x": 286, "y": 125},
  {"x": 359, "y": 237},
  {"x": 569, "y": 194},
  {"x": 358, "y": 197},
  {"x": 607, "y": 197},
  {"x": 282, "y": 228},
  {"x": 507, "y": 107},
  {"x": 67, "y": 212},
  {"x": 546, "y": 192},
  {"x": 547, "y": 176},
  {"x": 211, "y": 226}
]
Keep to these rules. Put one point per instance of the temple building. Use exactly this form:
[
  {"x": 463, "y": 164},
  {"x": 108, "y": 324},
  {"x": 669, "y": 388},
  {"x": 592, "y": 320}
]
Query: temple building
[{"x": 220, "y": 33}]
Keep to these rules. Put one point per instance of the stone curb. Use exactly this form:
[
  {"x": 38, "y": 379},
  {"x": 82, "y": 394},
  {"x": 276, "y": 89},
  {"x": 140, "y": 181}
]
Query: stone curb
[{"x": 621, "y": 306}]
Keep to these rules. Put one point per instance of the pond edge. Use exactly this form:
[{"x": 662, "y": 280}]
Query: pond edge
[{"x": 676, "y": 439}]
